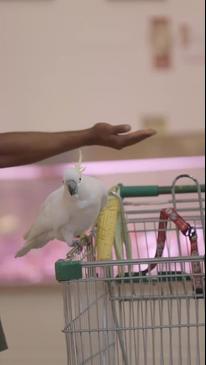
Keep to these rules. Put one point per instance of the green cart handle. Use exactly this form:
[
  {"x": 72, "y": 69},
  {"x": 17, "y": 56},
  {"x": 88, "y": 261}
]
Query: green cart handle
[{"x": 155, "y": 190}]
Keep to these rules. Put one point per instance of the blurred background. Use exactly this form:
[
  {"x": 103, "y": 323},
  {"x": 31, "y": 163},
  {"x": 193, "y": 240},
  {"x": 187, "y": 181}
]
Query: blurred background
[{"x": 65, "y": 65}]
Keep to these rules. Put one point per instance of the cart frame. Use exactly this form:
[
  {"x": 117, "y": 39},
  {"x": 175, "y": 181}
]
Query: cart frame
[{"x": 119, "y": 313}]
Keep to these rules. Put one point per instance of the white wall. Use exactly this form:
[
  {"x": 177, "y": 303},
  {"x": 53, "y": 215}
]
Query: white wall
[
  {"x": 33, "y": 323},
  {"x": 65, "y": 64}
]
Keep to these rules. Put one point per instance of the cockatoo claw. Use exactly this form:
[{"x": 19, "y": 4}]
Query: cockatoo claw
[{"x": 77, "y": 248}]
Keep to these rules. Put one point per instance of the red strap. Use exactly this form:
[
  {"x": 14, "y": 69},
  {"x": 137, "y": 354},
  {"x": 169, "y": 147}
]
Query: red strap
[{"x": 187, "y": 230}]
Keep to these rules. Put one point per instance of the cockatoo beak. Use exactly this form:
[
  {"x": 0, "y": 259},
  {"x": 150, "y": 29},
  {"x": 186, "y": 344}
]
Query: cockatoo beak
[{"x": 72, "y": 187}]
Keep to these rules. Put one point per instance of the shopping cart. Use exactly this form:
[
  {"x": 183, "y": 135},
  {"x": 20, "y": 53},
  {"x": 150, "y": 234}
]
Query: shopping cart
[{"x": 147, "y": 308}]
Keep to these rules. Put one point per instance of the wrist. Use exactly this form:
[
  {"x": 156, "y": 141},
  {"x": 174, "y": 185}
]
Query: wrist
[
  {"x": 88, "y": 136},
  {"x": 76, "y": 139}
]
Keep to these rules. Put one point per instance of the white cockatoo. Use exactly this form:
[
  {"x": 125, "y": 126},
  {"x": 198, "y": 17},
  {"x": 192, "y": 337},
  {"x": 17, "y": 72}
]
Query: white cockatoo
[{"x": 68, "y": 211}]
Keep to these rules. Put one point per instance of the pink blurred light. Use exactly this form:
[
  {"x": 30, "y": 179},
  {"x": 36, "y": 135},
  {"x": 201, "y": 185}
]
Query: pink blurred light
[
  {"x": 38, "y": 266},
  {"x": 105, "y": 167}
]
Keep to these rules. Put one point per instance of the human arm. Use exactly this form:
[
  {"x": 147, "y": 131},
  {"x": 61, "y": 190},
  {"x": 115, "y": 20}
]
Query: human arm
[{"x": 21, "y": 148}]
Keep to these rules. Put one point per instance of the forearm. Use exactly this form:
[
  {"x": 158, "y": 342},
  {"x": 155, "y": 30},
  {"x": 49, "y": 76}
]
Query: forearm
[{"x": 20, "y": 148}]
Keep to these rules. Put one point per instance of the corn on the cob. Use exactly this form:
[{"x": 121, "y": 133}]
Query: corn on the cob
[{"x": 106, "y": 227}]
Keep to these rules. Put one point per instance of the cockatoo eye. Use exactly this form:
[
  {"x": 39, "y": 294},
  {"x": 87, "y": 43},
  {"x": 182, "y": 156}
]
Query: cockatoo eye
[{"x": 80, "y": 179}]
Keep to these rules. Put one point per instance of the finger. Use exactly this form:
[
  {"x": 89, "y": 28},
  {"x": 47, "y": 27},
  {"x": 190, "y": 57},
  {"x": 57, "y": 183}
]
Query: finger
[
  {"x": 147, "y": 132},
  {"x": 121, "y": 128},
  {"x": 136, "y": 137}
]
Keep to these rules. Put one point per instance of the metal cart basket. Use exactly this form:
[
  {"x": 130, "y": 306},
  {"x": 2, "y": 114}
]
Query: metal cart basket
[{"x": 147, "y": 308}]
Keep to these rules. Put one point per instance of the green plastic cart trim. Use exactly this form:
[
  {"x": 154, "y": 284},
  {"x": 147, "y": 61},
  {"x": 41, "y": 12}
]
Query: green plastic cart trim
[
  {"x": 155, "y": 190},
  {"x": 72, "y": 270},
  {"x": 163, "y": 276},
  {"x": 68, "y": 270}
]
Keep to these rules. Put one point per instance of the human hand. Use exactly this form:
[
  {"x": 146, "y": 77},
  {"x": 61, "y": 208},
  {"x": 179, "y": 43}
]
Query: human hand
[{"x": 117, "y": 136}]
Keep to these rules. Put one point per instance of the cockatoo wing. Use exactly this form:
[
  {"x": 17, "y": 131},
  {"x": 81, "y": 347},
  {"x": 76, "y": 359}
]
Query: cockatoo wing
[
  {"x": 39, "y": 242},
  {"x": 46, "y": 219}
]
